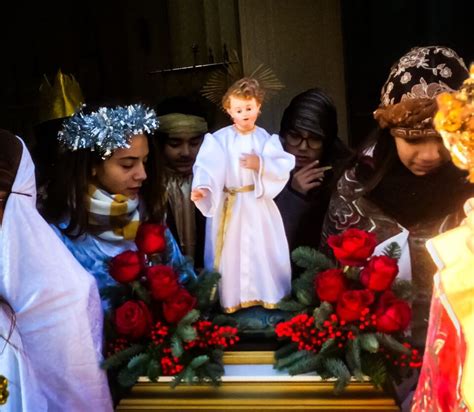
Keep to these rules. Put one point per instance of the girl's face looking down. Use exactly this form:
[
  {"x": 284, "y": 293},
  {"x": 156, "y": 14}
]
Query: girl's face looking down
[
  {"x": 124, "y": 172},
  {"x": 244, "y": 112},
  {"x": 421, "y": 155}
]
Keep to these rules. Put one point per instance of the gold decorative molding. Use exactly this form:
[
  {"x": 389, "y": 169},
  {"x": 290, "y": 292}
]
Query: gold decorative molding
[
  {"x": 248, "y": 358},
  {"x": 256, "y": 396},
  {"x": 255, "y": 392}
]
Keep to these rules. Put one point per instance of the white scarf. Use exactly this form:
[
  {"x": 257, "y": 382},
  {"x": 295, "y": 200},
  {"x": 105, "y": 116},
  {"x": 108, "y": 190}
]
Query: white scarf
[{"x": 114, "y": 217}]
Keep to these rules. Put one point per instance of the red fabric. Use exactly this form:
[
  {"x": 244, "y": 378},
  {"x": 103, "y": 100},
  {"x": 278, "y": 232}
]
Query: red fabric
[{"x": 438, "y": 387}]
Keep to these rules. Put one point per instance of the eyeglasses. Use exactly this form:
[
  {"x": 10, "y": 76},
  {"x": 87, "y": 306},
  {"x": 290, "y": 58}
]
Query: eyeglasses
[{"x": 296, "y": 139}]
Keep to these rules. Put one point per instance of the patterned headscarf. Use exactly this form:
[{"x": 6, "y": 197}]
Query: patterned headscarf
[{"x": 408, "y": 95}]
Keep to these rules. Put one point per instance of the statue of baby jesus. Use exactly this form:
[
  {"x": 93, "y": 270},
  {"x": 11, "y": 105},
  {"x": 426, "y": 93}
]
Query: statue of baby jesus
[{"x": 238, "y": 172}]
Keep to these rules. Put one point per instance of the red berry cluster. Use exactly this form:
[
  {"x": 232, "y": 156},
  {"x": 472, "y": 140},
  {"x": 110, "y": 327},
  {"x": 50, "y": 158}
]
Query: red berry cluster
[
  {"x": 212, "y": 335},
  {"x": 170, "y": 365},
  {"x": 116, "y": 346},
  {"x": 367, "y": 320},
  {"x": 159, "y": 332},
  {"x": 302, "y": 330},
  {"x": 412, "y": 360}
]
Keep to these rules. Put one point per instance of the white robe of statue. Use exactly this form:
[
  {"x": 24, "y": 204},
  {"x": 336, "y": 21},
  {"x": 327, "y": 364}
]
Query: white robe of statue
[{"x": 255, "y": 260}]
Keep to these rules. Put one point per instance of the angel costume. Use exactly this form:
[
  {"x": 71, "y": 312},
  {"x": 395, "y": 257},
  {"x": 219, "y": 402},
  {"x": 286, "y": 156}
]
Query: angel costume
[
  {"x": 52, "y": 357},
  {"x": 245, "y": 237}
]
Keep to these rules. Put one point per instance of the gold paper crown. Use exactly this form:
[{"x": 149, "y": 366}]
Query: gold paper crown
[
  {"x": 60, "y": 100},
  {"x": 455, "y": 123}
]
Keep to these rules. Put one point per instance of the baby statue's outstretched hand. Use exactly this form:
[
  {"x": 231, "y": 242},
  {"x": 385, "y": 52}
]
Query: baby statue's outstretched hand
[
  {"x": 250, "y": 161},
  {"x": 198, "y": 194}
]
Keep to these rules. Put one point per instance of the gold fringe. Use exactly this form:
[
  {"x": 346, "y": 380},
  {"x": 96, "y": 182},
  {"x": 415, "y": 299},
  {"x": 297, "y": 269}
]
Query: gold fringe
[{"x": 249, "y": 304}]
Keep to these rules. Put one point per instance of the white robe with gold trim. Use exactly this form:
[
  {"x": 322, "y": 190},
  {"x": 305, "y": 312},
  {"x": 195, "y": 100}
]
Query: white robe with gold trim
[{"x": 255, "y": 262}]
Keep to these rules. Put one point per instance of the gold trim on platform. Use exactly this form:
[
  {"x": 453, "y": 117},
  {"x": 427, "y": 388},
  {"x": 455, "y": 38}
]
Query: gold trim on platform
[
  {"x": 249, "y": 358},
  {"x": 256, "y": 396}
]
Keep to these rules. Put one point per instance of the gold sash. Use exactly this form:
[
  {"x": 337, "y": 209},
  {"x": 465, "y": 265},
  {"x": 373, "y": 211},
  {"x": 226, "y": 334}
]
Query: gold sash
[{"x": 226, "y": 215}]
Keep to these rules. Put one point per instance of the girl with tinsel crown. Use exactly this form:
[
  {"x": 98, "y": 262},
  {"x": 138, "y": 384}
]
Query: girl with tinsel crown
[
  {"x": 238, "y": 172},
  {"x": 106, "y": 185}
]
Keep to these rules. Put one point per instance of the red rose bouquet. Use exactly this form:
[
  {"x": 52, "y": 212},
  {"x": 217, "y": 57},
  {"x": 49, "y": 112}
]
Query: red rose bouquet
[
  {"x": 352, "y": 315},
  {"x": 158, "y": 326}
]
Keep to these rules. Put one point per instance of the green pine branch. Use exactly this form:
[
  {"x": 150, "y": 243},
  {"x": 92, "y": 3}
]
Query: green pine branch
[
  {"x": 286, "y": 362},
  {"x": 303, "y": 288},
  {"x": 403, "y": 289},
  {"x": 121, "y": 357},
  {"x": 176, "y": 346},
  {"x": 141, "y": 291},
  {"x": 374, "y": 367},
  {"x": 139, "y": 363},
  {"x": 353, "y": 358},
  {"x": 191, "y": 317},
  {"x": 393, "y": 250},
  {"x": 186, "y": 332},
  {"x": 205, "y": 289},
  {"x": 290, "y": 305},
  {"x": 154, "y": 370},
  {"x": 321, "y": 314},
  {"x": 310, "y": 363},
  {"x": 213, "y": 371},
  {"x": 339, "y": 370},
  {"x": 369, "y": 342},
  {"x": 309, "y": 258},
  {"x": 285, "y": 350},
  {"x": 391, "y": 343},
  {"x": 198, "y": 361},
  {"x": 127, "y": 377},
  {"x": 327, "y": 346}
]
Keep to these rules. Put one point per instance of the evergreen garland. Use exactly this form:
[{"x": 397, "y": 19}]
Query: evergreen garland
[{"x": 325, "y": 336}]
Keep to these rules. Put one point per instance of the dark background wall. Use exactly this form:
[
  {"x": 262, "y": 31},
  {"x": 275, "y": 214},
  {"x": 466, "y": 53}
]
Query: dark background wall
[
  {"x": 377, "y": 33},
  {"x": 344, "y": 46}
]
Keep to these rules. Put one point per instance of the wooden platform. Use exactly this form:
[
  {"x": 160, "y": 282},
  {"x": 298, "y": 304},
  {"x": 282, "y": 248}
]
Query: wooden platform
[{"x": 251, "y": 384}]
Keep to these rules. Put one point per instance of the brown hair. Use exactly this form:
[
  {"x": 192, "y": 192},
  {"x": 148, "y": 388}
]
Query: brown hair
[
  {"x": 10, "y": 157},
  {"x": 245, "y": 88}
]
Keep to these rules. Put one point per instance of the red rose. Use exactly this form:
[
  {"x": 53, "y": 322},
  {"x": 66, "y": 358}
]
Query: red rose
[
  {"x": 150, "y": 238},
  {"x": 353, "y": 247},
  {"x": 163, "y": 281},
  {"x": 379, "y": 274},
  {"x": 330, "y": 284},
  {"x": 133, "y": 319},
  {"x": 352, "y": 303},
  {"x": 176, "y": 307},
  {"x": 393, "y": 314},
  {"x": 126, "y": 267}
]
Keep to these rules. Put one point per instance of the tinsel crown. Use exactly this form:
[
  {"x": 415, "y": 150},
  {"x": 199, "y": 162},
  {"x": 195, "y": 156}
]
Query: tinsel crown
[
  {"x": 455, "y": 123},
  {"x": 107, "y": 129},
  {"x": 62, "y": 99}
]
